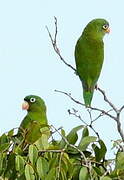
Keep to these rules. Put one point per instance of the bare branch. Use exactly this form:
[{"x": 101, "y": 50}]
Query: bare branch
[
  {"x": 73, "y": 146},
  {"x": 103, "y": 112},
  {"x": 55, "y": 46},
  {"x": 91, "y": 126},
  {"x": 120, "y": 130},
  {"x": 79, "y": 117},
  {"x": 52, "y": 150},
  {"x": 107, "y": 100},
  {"x": 93, "y": 108},
  {"x": 121, "y": 109}
]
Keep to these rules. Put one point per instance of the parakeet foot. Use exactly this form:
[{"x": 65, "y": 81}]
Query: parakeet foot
[{"x": 96, "y": 87}]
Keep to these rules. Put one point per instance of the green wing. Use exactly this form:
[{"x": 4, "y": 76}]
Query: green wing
[{"x": 30, "y": 128}]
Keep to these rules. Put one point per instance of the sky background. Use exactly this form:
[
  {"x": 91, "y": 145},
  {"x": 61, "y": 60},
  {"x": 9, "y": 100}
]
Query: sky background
[{"x": 28, "y": 64}]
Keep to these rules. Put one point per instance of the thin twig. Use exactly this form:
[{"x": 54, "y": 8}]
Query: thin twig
[
  {"x": 121, "y": 109},
  {"x": 120, "y": 130},
  {"x": 55, "y": 46},
  {"x": 91, "y": 126},
  {"x": 52, "y": 150},
  {"x": 107, "y": 100},
  {"x": 77, "y": 116}
]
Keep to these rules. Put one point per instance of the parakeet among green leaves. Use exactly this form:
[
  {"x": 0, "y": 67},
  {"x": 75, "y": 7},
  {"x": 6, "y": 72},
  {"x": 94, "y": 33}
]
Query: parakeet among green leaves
[
  {"x": 89, "y": 56},
  {"x": 36, "y": 119}
]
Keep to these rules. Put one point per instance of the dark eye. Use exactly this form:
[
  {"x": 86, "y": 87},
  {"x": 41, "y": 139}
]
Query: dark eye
[
  {"x": 32, "y": 100},
  {"x": 105, "y": 26}
]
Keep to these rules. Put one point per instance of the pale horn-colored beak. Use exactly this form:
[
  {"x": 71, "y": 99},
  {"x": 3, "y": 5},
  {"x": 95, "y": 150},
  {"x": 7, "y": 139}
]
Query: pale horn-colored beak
[
  {"x": 107, "y": 30},
  {"x": 25, "y": 105}
]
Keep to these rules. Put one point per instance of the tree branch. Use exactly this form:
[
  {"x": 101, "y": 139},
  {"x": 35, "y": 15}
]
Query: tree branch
[
  {"x": 55, "y": 46},
  {"x": 107, "y": 100},
  {"x": 73, "y": 146}
]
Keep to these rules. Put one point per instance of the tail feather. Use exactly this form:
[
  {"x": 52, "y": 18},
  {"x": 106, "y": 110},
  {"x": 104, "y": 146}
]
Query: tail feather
[{"x": 88, "y": 95}]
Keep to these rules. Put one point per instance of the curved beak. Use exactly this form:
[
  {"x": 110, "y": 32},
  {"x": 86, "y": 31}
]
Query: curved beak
[
  {"x": 25, "y": 105},
  {"x": 107, "y": 30}
]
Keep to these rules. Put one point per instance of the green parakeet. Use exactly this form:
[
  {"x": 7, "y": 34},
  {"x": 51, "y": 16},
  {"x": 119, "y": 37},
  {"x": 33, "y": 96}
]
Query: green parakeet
[
  {"x": 34, "y": 121},
  {"x": 89, "y": 56}
]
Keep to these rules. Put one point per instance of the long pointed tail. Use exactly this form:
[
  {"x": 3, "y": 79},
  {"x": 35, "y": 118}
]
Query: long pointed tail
[{"x": 88, "y": 95}]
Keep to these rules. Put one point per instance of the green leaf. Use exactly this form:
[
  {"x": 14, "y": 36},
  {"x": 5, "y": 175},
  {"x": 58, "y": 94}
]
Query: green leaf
[
  {"x": 62, "y": 132},
  {"x": 76, "y": 171},
  {"x": 53, "y": 162},
  {"x": 11, "y": 132},
  {"x": 1, "y": 162},
  {"x": 83, "y": 175},
  {"x": 119, "y": 160},
  {"x": 72, "y": 137},
  {"x": 98, "y": 171},
  {"x": 4, "y": 147},
  {"x": 19, "y": 163},
  {"x": 29, "y": 172},
  {"x": 4, "y": 143},
  {"x": 62, "y": 174},
  {"x": 51, "y": 175},
  {"x": 62, "y": 142},
  {"x": 42, "y": 167},
  {"x": 85, "y": 142},
  {"x": 65, "y": 162},
  {"x": 10, "y": 171},
  {"x": 33, "y": 154},
  {"x": 3, "y": 139},
  {"x": 99, "y": 152},
  {"x": 42, "y": 142},
  {"x": 103, "y": 149},
  {"x": 85, "y": 132}
]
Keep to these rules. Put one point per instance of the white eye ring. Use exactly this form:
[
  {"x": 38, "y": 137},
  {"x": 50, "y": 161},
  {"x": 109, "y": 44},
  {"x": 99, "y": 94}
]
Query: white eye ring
[
  {"x": 105, "y": 26},
  {"x": 32, "y": 100}
]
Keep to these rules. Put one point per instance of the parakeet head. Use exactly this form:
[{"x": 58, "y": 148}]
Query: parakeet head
[
  {"x": 97, "y": 28},
  {"x": 33, "y": 103}
]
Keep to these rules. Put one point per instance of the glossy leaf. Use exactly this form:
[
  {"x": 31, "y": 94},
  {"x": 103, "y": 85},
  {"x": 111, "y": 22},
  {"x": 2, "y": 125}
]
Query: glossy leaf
[
  {"x": 42, "y": 167},
  {"x": 1, "y": 162},
  {"x": 85, "y": 132},
  {"x": 72, "y": 137},
  {"x": 51, "y": 175},
  {"x": 19, "y": 163},
  {"x": 33, "y": 154},
  {"x": 98, "y": 171},
  {"x": 85, "y": 142},
  {"x": 3, "y": 139},
  {"x": 53, "y": 162},
  {"x": 83, "y": 175},
  {"x": 4, "y": 147},
  {"x": 11, "y": 132},
  {"x": 29, "y": 172},
  {"x": 119, "y": 161}
]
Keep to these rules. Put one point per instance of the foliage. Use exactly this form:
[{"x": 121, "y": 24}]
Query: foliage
[{"x": 70, "y": 158}]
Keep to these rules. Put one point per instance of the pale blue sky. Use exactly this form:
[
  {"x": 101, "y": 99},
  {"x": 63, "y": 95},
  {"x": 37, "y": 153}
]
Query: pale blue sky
[{"x": 28, "y": 64}]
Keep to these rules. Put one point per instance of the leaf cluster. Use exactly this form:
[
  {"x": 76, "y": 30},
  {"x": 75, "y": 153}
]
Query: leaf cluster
[{"x": 74, "y": 156}]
